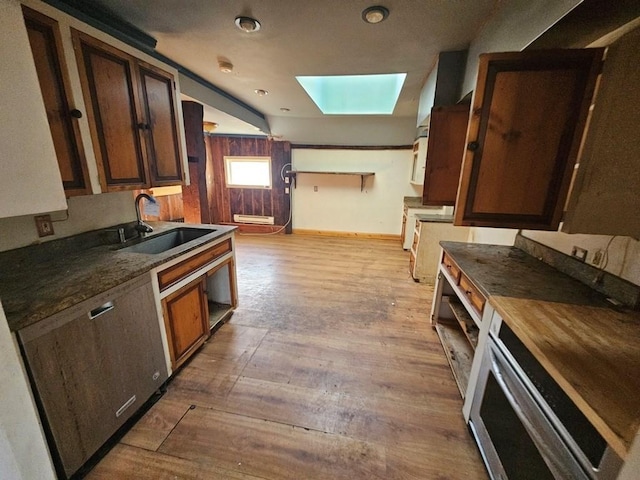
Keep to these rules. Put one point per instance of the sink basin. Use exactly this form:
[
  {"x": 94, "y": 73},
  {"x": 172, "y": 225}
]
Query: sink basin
[{"x": 166, "y": 241}]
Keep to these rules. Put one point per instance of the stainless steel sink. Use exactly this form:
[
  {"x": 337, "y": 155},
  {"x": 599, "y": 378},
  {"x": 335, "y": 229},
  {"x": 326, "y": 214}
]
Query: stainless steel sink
[{"x": 166, "y": 241}]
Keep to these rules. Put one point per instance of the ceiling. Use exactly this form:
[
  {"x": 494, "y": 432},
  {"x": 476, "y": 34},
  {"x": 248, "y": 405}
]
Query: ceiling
[{"x": 305, "y": 37}]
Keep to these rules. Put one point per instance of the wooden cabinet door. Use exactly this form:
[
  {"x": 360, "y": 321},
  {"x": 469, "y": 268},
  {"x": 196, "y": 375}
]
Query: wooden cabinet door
[
  {"x": 528, "y": 117},
  {"x": 445, "y": 149},
  {"x": 164, "y": 154},
  {"x": 186, "y": 318},
  {"x": 46, "y": 46},
  {"x": 109, "y": 83},
  {"x": 93, "y": 367}
]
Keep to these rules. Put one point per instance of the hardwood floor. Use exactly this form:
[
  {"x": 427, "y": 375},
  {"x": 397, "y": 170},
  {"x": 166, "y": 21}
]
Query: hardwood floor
[{"x": 328, "y": 369}]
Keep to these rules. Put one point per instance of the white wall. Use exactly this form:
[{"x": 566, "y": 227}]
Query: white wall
[
  {"x": 338, "y": 205},
  {"x": 90, "y": 212},
  {"x": 23, "y": 451}
]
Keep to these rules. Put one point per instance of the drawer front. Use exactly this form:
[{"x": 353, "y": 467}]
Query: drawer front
[
  {"x": 472, "y": 293},
  {"x": 177, "y": 272},
  {"x": 451, "y": 267}
]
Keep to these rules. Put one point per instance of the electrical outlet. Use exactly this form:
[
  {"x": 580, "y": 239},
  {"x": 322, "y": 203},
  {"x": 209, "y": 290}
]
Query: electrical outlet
[
  {"x": 597, "y": 258},
  {"x": 579, "y": 253},
  {"x": 286, "y": 190},
  {"x": 44, "y": 225},
  {"x": 315, "y": 188},
  {"x": 286, "y": 180}
]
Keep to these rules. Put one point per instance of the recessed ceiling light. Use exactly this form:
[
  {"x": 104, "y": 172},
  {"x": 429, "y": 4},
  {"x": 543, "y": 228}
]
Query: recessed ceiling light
[
  {"x": 261, "y": 93},
  {"x": 375, "y": 14},
  {"x": 225, "y": 67},
  {"x": 247, "y": 24},
  {"x": 285, "y": 109}
]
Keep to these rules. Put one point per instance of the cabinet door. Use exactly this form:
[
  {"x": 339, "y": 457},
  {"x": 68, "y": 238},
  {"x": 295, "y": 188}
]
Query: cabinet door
[
  {"x": 109, "y": 84},
  {"x": 527, "y": 122},
  {"x": 46, "y": 46},
  {"x": 186, "y": 318},
  {"x": 161, "y": 126},
  {"x": 445, "y": 149},
  {"x": 93, "y": 368}
]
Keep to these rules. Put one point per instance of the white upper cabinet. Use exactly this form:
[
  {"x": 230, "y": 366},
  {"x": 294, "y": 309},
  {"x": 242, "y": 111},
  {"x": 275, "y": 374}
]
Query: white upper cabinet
[{"x": 30, "y": 181}]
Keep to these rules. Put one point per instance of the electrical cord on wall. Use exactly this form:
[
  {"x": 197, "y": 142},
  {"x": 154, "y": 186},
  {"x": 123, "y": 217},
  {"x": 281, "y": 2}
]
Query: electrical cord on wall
[{"x": 290, "y": 210}]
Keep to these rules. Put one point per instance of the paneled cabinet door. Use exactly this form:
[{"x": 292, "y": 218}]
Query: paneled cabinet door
[
  {"x": 46, "y": 46},
  {"x": 186, "y": 319},
  {"x": 447, "y": 130},
  {"x": 160, "y": 132},
  {"x": 527, "y": 121}
]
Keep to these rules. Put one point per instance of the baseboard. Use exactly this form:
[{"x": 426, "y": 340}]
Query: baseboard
[
  {"x": 329, "y": 233},
  {"x": 250, "y": 228}
]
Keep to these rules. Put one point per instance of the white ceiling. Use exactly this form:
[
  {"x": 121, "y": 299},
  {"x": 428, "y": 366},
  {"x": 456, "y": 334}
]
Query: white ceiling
[{"x": 307, "y": 37}]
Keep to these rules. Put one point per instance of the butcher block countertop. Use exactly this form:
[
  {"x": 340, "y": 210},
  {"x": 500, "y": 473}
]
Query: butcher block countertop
[
  {"x": 40, "y": 280},
  {"x": 590, "y": 349}
]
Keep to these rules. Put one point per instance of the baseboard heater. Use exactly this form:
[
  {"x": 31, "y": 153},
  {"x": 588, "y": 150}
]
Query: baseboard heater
[{"x": 254, "y": 219}]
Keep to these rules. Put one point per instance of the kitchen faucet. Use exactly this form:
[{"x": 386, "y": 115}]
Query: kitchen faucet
[{"x": 140, "y": 225}]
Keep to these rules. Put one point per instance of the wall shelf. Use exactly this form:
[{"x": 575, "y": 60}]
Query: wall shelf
[{"x": 363, "y": 175}]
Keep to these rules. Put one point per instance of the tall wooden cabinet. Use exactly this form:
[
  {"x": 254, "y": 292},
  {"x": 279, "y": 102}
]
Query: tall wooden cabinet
[
  {"x": 132, "y": 116},
  {"x": 527, "y": 122},
  {"x": 445, "y": 149},
  {"x": 46, "y": 46}
]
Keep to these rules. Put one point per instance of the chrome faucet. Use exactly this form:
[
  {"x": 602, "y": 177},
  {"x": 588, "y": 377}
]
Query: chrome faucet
[{"x": 140, "y": 225}]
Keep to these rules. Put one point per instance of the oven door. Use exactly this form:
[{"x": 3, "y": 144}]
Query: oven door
[{"x": 515, "y": 438}]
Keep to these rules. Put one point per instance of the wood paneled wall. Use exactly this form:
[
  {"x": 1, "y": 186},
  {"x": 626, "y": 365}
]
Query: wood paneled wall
[{"x": 225, "y": 202}]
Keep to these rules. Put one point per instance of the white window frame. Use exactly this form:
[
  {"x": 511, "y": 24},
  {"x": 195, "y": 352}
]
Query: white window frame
[{"x": 232, "y": 159}]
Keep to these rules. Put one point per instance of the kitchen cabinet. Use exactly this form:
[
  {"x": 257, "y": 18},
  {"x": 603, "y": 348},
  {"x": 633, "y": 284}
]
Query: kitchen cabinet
[
  {"x": 425, "y": 249},
  {"x": 30, "y": 180},
  {"x": 445, "y": 149},
  {"x": 527, "y": 121},
  {"x": 186, "y": 319},
  {"x": 92, "y": 366},
  {"x": 46, "y": 46},
  {"x": 197, "y": 291},
  {"x": 132, "y": 113}
]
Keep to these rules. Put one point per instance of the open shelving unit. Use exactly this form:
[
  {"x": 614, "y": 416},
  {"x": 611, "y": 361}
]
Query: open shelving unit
[{"x": 363, "y": 175}]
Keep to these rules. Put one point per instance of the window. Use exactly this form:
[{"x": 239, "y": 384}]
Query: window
[{"x": 247, "y": 172}]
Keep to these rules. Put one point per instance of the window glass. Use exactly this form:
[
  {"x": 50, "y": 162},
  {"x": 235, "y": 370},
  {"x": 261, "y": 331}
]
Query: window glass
[{"x": 248, "y": 172}]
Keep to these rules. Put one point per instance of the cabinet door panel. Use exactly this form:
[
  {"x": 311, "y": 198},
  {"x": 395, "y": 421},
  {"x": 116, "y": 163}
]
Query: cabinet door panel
[
  {"x": 445, "y": 149},
  {"x": 108, "y": 83},
  {"x": 46, "y": 47},
  {"x": 162, "y": 135},
  {"x": 527, "y": 123}
]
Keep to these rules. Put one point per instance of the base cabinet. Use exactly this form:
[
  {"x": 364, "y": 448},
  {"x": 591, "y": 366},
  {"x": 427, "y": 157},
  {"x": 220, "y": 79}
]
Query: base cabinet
[
  {"x": 92, "y": 366},
  {"x": 186, "y": 318}
]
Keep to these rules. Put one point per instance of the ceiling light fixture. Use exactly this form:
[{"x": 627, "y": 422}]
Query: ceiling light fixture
[
  {"x": 261, "y": 93},
  {"x": 209, "y": 127},
  {"x": 375, "y": 14},
  {"x": 247, "y": 24},
  {"x": 225, "y": 67}
]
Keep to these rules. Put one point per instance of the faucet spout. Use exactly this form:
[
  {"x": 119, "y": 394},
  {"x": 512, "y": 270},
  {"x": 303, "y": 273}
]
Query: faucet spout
[{"x": 140, "y": 225}]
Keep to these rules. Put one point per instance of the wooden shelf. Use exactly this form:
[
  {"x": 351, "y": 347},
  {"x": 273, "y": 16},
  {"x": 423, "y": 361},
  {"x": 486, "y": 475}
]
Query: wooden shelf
[
  {"x": 458, "y": 352},
  {"x": 363, "y": 175},
  {"x": 466, "y": 323},
  {"x": 218, "y": 312}
]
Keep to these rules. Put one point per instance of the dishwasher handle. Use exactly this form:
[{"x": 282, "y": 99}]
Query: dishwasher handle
[{"x": 101, "y": 310}]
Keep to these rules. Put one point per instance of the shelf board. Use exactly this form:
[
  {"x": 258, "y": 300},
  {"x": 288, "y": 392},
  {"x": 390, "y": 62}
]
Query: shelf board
[
  {"x": 458, "y": 352},
  {"x": 218, "y": 312},
  {"x": 363, "y": 175},
  {"x": 466, "y": 323}
]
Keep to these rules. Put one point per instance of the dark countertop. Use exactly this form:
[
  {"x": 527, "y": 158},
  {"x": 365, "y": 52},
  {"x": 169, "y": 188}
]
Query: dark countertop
[
  {"x": 590, "y": 349},
  {"x": 416, "y": 202},
  {"x": 429, "y": 217},
  {"x": 38, "y": 281}
]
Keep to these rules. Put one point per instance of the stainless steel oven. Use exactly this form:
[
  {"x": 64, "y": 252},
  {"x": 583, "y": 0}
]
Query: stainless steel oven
[{"x": 524, "y": 423}]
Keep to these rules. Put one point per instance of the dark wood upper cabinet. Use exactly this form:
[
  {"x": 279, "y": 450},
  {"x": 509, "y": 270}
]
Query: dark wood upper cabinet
[
  {"x": 46, "y": 46},
  {"x": 445, "y": 148},
  {"x": 525, "y": 130},
  {"x": 132, "y": 117}
]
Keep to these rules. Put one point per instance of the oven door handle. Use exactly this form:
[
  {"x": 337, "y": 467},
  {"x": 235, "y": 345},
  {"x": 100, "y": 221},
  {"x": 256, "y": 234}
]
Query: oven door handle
[{"x": 535, "y": 422}]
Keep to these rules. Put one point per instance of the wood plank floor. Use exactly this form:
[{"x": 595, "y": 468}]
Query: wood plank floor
[{"x": 327, "y": 370}]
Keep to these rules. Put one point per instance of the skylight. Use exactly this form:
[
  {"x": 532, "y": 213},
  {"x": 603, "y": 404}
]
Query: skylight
[{"x": 354, "y": 94}]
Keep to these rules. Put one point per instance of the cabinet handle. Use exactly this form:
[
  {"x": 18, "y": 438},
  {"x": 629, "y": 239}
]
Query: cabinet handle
[
  {"x": 468, "y": 292},
  {"x": 101, "y": 310},
  {"x": 126, "y": 405},
  {"x": 75, "y": 113},
  {"x": 143, "y": 126},
  {"x": 473, "y": 146}
]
